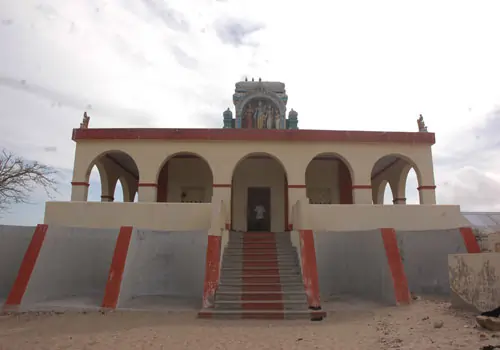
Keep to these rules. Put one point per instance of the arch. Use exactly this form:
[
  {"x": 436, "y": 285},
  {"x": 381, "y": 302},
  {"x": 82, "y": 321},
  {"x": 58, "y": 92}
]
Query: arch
[
  {"x": 329, "y": 179},
  {"x": 119, "y": 192},
  {"x": 114, "y": 166},
  {"x": 393, "y": 168},
  {"x": 259, "y": 179},
  {"x": 185, "y": 177}
]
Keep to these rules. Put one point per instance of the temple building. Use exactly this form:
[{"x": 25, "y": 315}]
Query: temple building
[
  {"x": 261, "y": 218},
  {"x": 258, "y": 157}
]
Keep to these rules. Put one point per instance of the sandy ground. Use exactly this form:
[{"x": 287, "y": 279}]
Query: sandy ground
[{"x": 350, "y": 326}]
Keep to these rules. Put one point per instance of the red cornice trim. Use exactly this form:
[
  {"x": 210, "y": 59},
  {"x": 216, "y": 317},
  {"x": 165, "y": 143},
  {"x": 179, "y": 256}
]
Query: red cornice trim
[
  {"x": 426, "y": 188},
  {"x": 361, "y": 187},
  {"x": 221, "y": 185},
  {"x": 76, "y": 183},
  {"x": 147, "y": 185},
  {"x": 296, "y": 186},
  {"x": 254, "y": 135}
]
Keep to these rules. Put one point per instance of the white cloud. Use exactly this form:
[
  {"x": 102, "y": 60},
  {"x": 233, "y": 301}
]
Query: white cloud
[{"x": 347, "y": 65}]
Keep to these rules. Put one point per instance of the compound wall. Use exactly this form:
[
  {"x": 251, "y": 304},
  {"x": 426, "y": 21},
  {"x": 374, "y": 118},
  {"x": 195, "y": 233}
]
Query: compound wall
[
  {"x": 425, "y": 258},
  {"x": 354, "y": 263},
  {"x": 163, "y": 263},
  {"x": 475, "y": 281},
  {"x": 14, "y": 240},
  {"x": 72, "y": 268}
]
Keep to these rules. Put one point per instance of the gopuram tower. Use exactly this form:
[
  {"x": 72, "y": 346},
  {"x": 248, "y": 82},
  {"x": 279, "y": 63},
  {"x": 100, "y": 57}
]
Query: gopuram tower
[{"x": 260, "y": 105}]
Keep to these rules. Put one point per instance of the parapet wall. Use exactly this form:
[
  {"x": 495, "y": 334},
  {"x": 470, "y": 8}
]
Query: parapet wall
[
  {"x": 338, "y": 217},
  {"x": 153, "y": 216}
]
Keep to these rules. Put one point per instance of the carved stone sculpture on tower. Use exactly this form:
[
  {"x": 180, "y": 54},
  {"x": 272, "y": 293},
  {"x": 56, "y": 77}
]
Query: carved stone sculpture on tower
[
  {"x": 421, "y": 124},
  {"x": 85, "y": 123}
]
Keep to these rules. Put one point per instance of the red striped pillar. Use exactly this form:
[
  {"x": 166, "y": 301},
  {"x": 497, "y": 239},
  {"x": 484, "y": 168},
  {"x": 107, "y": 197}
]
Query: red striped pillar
[
  {"x": 212, "y": 270},
  {"x": 469, "y": 240},
  {"x": 115, "y": 276},
  {"x": 309, "y": 268},
  {"x": 26, "y": 269},
  {"x": 400, "y": 282}
]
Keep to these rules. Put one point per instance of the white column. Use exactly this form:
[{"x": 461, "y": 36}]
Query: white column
[
  {"x": 79, "y": 191},
  {"x": 296, "y": 192},
  {"x": 147, "y": 192},
  {"x": 427, "y": 194},
  {"x": 362, "y": 194}
]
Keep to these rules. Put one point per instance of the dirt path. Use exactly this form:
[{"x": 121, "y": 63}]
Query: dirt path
[{"x": 384, "y": 328}]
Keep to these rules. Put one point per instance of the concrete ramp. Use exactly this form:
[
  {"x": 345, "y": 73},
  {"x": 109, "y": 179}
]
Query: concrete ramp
[
  {"x": 425, "y": 258},
  {"x": 361, "y": 264},
  {"x": 475, "y": 281},
  {"x": 164, "y": 270},
  {"x": 72, "y": 269},
  {"x": 14, "y": 240}
]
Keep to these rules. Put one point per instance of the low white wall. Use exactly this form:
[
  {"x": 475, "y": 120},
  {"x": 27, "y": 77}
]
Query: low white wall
[
  {"x": 475, "y": 281},
  {"x": 295, "y": 238},
  {"x": 161, "y": 263},
  {"x": 154, "y": 216},
  {"x": 338, "y": 217},
  {"x": 73, "y": 263},
  {"x": 14, "y": 240}
]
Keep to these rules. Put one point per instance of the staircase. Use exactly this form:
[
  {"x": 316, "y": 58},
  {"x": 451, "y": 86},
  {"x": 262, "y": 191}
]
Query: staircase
[{"x": 260, "y": 279}]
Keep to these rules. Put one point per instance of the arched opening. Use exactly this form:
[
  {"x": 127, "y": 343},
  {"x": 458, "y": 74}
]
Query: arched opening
[
  {"x": 118, "y": 195},
  {"x": 113, "y": 177},
  {"x": 388, "y": 196},
  {"x": 329, "y": 180},
  {"x": 391, "y": 173},
  {"x": 185, "y": 178},
  {"x": 259, "y": 194},
  {"x": 412, "y": 193}
]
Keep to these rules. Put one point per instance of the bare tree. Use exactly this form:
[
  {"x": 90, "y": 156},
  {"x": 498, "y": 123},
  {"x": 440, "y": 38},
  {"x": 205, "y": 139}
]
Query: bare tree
[{"x": 19, "y": 177}]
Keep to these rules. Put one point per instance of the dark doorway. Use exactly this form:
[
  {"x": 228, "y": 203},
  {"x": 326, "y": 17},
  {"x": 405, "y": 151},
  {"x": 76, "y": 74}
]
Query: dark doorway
[{"x": 259, "y": 209}]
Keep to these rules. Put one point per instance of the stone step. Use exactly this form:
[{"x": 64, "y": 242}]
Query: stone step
[
  {"x": 267, "y": 264},
  {"x": 261, "y": 304},
  {"x": 263, "y": 245},
  {"x": 272, "y": 295},
  {"x": 261, "y": 279},
  {"x": 267, "y": 257},
  {"x": 264, "y": 273},
  {"x": 260, "y": 287},
  {"x": 261, "y": 269},
  {"x": 244, "y": 284},
  {"x": 252, "y": 253},
  {"x": 262, "y": 314},
  {"x": 261, "y": 272}
]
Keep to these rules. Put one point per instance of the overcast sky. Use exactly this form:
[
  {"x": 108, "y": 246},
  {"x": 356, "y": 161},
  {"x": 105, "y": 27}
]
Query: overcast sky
[{"x": 350, "y": 65}]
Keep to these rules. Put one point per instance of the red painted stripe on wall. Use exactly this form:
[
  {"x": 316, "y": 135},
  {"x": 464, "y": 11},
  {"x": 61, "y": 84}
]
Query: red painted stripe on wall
[
  {"x": 401, "y": 290},
  {"x": 27, "y": 265},
  {"x": 212, "y": 270},
  {"x": 309, "y": 267},
  {"x": 470, "y": 240},
  {"x": 114, "y": 283}
]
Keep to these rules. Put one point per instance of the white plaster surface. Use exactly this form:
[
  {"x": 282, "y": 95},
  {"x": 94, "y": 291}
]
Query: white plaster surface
[
  {"x": 14, "y": 240},
  {"x": 72, "y": 269},
  {"x": 353, "y": 264},
  {"x": 162, "y": 265},
  {"x": 425, "y": 258}
]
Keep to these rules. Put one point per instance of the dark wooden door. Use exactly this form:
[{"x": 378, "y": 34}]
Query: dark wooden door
[{"x": 259, "y": 209}]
